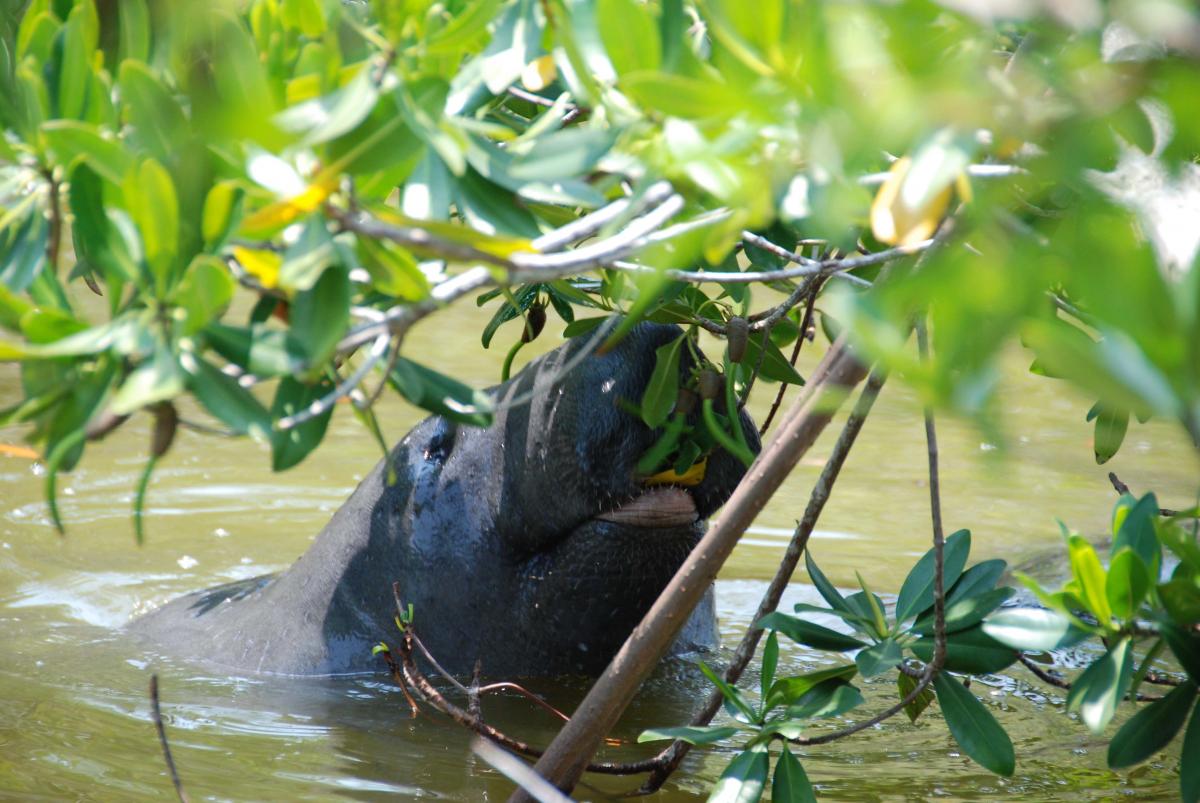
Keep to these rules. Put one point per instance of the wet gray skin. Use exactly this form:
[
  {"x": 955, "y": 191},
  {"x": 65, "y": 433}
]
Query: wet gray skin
[{"x": 531, "y": 545}]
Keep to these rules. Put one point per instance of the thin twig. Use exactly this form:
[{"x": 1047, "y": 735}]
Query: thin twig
[
  {"x": 1122, "y": 488},
  {"x": 1059, "y": 683},
  {"x": 800, "y": 338},
  {"x": 156, "y": 714}
]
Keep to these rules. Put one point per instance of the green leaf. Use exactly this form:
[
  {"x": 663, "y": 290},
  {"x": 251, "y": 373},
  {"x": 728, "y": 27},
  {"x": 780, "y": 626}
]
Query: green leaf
[
  {"x": 139, "y": 499},
  {"x": 629, "y": 35},
  {"x": 1111, "y": 425},
  {"x": 524, "y": 298},
  {"x": 1134, "y": 527},
  {"x": 1096, "y": 693},
  {"x": 581, "y": 326},
  {"x": 228, "y": 401},
  {"x": 917, "y": 592},
  {"x": 134, "y": 22},
  {"x": 1152, "y": 728},
  {"x": 469, "y": 24},
  {"x": 203, "y": 293},
  {"x": 905, "y": 686},
  {"x": 319, "y": 316},
  {"x": 971, "y": 652},
  {"x": 825, "y": 588},
  {"x": 394, "y": 271},
  {"x": 681, "y": 96},
  {"x": 1185, "y": 644},
  {"x": 732, "y": 696},
  {"x": 259, "y": 349},
  {"x": 440, "y": 394},
  {"x": 977, "y": 580},
  {"x": 789, "y": 690},
  {"x": 289, "y": 447},
  {"x": 745, "y": 777},
  {"x": 516, "y": 41},
  {"x": 1181, "y": 598},
  {"x": 328, "y": 117},
  {"x": 1189, "y": 760},
  {"x": 561, "y": 155},
  {"x": 828, "y": 699},
  {"x": 156, "y": 116},
  {"x": 222, "y": 210},
  {"x": 150, "y": 196},
  {"x": 810, "y": 634},
  {"x": 791, "y": 784},
  {"x": 79, "y": 43},
  {"x": 65, "y": 451},
  {"x": 770, "y": 659},
  {"x": 663, "y": 387},
  {"x": 974, "y": 727},
  {"x": 69, "y": 140},
  {"x": 1032, "y": 629},
  {"x": 157, "y": 379},
  {"x": 878, "y": 658},
  {"x": 775, "y": 365},
  {"x": 1127, "y": 584},
  {"x": 1091, "y": 577},
  {"x": 692, "y": 734},
  {"x": 965, "y": 612}
]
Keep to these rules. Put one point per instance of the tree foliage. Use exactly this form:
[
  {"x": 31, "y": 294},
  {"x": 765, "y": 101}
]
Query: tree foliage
[{"x": 344, "y": 169}]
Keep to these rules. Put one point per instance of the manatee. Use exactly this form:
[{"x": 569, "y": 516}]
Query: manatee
[{"x": 531, "y": 545}]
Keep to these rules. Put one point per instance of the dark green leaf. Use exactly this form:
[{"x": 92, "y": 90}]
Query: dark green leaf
[
  {"x": 319, "y": 316},
  {"x": 732, "y": 696},
  {"x": 1111, "y": 425},
  {"x": 259, "y": 349},
  {"x": 228, "y": 401},
  {"x": 139, "y": 499},
  {"x": 828, "y": 699},
  {"x": 775, "y": 365},
  {"x": 974, "y": 727},
  {"x": 965, "y": 612},
  {"x": 1189, "y": 760},
  {"x": 289, "y": 447},
  {"x": 971, "y": 652},
  {"x": 1185, "y": 644},
  {"x": 1181, "y": 598},
  {"x": 525, "y": 296},
  {"x": 878, "y": 658},
  {"x": 791, "y": 784},
  {"x": 1152, "y": 728},
  {"x": 770, "y": 659},
  {"x": 917, "y": 592},
  {"x": 1096, "y": 693},
  {"x": 743, "y": 780},
  {"x": 809, "y": 633},
  {"x": 440, "y": 394},
  {"x": 1133, "y": 527},
  {"x": 692, "y": 734},
  {"x": 905, "y": 686},
  {"x": 789, "y": 690},
  {"x": 581, "y": 326},
  {"x": 825, "y": 588},
  {"x": 663, "y": 387}
]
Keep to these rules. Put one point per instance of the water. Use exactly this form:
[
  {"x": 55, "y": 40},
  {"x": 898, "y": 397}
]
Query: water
[{"x": 74, "y": 710}]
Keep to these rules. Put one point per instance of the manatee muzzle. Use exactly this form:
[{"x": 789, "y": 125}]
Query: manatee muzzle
[{"x": 657, "y": 508}]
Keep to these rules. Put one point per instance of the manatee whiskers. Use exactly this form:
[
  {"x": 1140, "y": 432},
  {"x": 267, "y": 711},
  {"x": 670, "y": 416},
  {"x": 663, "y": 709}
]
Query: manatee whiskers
[{"x": 661, "y": 507}]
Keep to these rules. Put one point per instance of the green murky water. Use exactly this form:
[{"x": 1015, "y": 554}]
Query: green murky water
[{"x": 74, "y": 713}]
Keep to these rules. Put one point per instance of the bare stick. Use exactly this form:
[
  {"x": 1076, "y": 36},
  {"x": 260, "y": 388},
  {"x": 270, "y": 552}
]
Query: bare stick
[
  {"x": 156, "y": 714},
  {"x": 567, "y": 757}
]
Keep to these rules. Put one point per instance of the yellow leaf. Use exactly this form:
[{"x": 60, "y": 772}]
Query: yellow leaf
[
  {"x": 539, "y": 74},
  {"x": 281, "y": 213},
  {"x": 496, "y": 245},
  {"x": 262, "y": 265},
  {"x": 693, "y": 476},
  {"x": 896, "y": 223}
]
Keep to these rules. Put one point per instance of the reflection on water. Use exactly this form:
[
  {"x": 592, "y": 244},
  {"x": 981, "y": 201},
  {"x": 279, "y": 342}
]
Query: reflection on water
[{"x": 74, "y": 719}]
